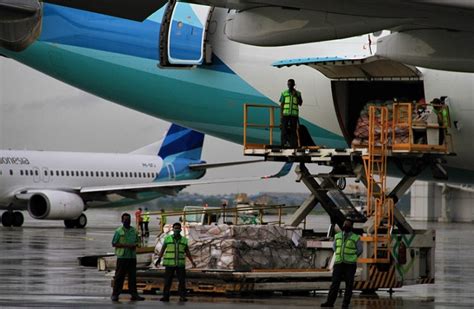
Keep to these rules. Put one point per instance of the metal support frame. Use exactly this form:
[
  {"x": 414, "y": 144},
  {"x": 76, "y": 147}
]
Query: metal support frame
[{"x": 319, "y": 193}]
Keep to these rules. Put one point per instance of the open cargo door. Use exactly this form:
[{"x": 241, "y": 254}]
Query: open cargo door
[
  {"x": 360, "y": 68},
  {"x": 359, "y": 80},
  {"x": 183, "y": 35}
]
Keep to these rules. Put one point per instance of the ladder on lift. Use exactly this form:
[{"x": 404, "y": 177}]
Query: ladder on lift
[{"x": 379, "y": 210}]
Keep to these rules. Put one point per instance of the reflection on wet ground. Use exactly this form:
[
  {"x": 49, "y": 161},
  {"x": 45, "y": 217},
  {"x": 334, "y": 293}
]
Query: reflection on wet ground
[{"x": 39, "y": 268}]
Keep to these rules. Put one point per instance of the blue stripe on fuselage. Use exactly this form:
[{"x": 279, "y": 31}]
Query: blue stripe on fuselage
[{"x": 79, "y": 28}]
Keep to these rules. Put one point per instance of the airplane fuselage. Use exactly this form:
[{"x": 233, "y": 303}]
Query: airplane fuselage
[
  {"x": 117, "y": 59},
  {"x": 69, "y": 171}
]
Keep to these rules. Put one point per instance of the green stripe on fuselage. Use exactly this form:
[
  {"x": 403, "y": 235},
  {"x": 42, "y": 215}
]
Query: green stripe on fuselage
[{"x": 206, "y": 100}]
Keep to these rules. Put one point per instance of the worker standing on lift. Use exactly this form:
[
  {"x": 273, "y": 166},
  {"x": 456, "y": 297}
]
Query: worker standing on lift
[{"x": 290, "y": 101}]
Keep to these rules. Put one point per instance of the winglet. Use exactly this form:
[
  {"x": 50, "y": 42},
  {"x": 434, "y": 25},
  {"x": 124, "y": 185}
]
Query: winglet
[{"x": 285, "y": 169}]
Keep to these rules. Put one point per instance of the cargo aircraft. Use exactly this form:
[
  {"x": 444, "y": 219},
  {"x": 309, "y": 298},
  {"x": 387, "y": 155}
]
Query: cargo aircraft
[
  {"x": 197, "y": 62},
  {"x": 62, "y": 185}
]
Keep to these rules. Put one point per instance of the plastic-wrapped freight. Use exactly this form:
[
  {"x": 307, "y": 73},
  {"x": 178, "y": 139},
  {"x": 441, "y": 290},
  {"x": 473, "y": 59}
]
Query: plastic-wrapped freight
[
  {"x": 246, "y": 247},
  {"x": 361, "y": 132}
]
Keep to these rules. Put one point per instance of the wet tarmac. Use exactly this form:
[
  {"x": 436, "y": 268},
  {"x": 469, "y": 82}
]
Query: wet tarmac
[{"x": 39, "y": 268}]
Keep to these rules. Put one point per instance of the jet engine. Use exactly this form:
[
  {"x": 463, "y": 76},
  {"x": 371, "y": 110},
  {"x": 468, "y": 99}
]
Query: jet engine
[
  {"x": 20, "y": 23},
  {"x": 55, "y": 205}
]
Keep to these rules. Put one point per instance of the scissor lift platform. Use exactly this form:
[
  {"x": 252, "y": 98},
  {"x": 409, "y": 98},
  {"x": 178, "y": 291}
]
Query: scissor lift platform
[{"x": 313, "y": 154}]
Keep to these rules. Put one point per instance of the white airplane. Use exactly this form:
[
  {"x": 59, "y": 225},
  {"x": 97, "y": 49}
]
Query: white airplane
[
  {"x": 62, "y": 185},
  {"x": 197, "y": 65}
]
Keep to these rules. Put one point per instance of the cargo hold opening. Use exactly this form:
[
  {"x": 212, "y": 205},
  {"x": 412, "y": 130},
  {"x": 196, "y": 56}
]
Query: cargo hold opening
[{"x": 350, "y": 97}]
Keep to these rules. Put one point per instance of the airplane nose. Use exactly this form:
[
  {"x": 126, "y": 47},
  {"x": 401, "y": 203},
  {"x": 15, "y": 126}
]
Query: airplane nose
[{"x": 20, "y": 23}]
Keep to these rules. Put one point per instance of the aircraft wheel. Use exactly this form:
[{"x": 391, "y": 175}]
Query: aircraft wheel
[
  {"x": 7, "y": 218},
  {"x": 81, "y": 222},
  {"x": 18, "y": 218},
  {"x": 69, "y": 224}
]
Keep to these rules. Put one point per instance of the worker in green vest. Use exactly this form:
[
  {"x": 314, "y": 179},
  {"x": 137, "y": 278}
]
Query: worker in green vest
[
  {"x": 163, "y": 220},
  {"x": 174, "y": 249},
  {"x": 290, "y": 101},
  {"x": 146, "y": 221},
  {"x": 125, "y": 242},
  {"x": 444, "y": 119},
  {"x": 347, "y": 247}
]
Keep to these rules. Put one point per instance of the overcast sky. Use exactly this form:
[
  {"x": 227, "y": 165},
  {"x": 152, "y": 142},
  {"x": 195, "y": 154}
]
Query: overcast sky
[{"x": 38, "y": 112}]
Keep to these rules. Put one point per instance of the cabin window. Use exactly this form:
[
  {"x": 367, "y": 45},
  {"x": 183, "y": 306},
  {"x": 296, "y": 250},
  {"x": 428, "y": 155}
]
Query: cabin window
[{"x": 36, "y": 173}]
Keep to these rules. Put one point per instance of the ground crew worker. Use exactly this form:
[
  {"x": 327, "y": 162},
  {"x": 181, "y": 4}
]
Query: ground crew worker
[
  {"x": 139, "y": 220},
  {"x": 347, "y": 247},
  {"x": 146, "y": 221},
  {"x": 125, "y": 242},
  {"x": 442, "y": 111},
  {"x": 162, "y": 220},
  {"x": 290, "y": 100},
  {"x": 174, "y": 248}
]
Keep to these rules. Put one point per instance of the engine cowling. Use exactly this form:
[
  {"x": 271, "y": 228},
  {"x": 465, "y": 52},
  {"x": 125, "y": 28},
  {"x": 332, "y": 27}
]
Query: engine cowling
[
  {"x": 55, "y": 205},
  {"x": 20, "y": 23}
]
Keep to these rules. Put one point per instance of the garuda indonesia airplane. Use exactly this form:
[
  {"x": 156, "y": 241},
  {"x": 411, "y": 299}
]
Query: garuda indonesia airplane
[
  {"x": 196, "y": 63},
  {"x": 62, "y": 185}
]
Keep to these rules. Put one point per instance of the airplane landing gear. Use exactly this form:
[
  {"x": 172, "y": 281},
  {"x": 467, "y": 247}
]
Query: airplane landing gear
[
  {"x": 79, "y": 223},
  {"x": 12, "y": 218}
]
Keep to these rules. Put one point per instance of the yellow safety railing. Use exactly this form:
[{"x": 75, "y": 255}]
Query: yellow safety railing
[
  {"x": 403, "y": 122},
  {"x": 235, "y": 213},
  {"x": 266, "y": 126}
]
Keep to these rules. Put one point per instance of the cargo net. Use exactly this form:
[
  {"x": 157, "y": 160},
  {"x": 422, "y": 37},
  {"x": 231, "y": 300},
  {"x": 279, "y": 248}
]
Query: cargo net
[
  {"x": 246, "y": 247},
  {"x": 361, "y": 132}
]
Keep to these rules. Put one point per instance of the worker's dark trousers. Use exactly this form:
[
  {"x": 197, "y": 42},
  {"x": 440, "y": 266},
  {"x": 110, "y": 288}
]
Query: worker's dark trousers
[
  {"x": 142, "y": 228},
  {"x": 340, "y": 271},
  {"x": 169, "y": 273},
  {"x": 288, "y": 131},
  {"x": 125, "y": 267},
  {"x": 147, "y": 232}
]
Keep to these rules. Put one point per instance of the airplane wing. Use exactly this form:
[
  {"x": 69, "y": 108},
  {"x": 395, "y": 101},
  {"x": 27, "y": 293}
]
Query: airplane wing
[
  {"x": 425, "y": 11},
  {"x": 205, "y": 166},
  {"x": 170, "y": 186}
]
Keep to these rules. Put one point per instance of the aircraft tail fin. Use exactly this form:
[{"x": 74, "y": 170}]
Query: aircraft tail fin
[{"x": 179, "y": 142}]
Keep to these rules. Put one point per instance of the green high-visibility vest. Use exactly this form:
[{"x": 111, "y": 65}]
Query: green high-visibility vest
[
  {"x": 146, "y": 216},
  {"x": 346, "y": 249},
  {"x": 444, "y": 115},
  {"x": 175, "y": 251},
  {"x": 290, "y": 103},
  {"x": 129, "y": 236}
]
